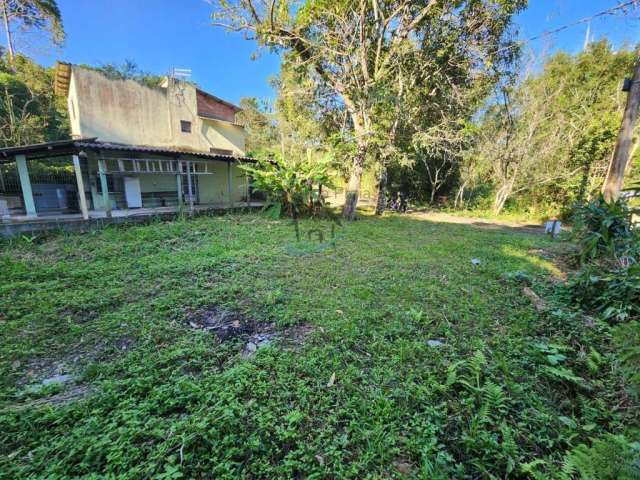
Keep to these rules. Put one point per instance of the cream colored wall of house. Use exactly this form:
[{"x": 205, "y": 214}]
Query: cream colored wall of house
[
  {"x": 124, "y": 111},
  {"x": 220, "y": 134},
  {"x": 73, "y": 108}
]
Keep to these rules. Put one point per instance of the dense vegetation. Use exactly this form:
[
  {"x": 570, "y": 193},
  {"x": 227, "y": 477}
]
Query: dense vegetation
[
  {"x": 30, "y": 112},
  {"x": 538, "y": 147},
  {"x": 417, "y": 363},
  {"x": 546, "y": 142}
]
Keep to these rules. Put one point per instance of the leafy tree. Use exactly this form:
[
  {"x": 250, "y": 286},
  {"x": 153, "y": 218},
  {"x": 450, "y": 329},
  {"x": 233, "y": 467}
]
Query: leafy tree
[
  {"x": 260, "y": 126},
  {"x": 295, "y": 128},
  {"x": 28, "y": 15},
  {"x": 548, "y": 138},
  {"x": 30, "y": 112},
  {"x": 354, "y": 48},
  {"x": 18, "y": 112}
]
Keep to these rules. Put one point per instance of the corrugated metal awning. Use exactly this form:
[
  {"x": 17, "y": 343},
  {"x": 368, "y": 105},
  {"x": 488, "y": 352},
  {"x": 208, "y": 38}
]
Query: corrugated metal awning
[{"x": 70, "y": 147}]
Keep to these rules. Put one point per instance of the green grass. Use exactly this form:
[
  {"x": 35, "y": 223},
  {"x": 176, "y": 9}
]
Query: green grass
[{"x": 509, "y": 386}]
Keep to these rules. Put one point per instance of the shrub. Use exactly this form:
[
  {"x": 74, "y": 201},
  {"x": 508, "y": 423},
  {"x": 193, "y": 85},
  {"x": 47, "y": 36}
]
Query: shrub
[
  {"x": 292, "y": 188},
  {"x": 604, "y": 229},
  {"x": 614, "y": 294},
  {"x": 609, "y": 282}
]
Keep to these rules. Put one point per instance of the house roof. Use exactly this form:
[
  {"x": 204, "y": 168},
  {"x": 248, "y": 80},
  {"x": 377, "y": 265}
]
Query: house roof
[
  {"x": 40, "y": 150},
  {"x": 63, "y": 79},
  {"x": 74, "y": 146},
  {"x": 218, "y": 99}
]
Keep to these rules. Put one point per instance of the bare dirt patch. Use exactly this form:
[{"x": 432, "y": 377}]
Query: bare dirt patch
[
  {"x": 225, "y": 324},
  {"x": 38, "y": 373},
  {"x": 229, "y": 325},
  {"x": 68, "y": 395},
  {"x": 65, "y": 367},
  {"x": 44, "y": 370}
]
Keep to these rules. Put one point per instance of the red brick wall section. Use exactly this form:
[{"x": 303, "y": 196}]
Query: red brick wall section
[{"x": 210, "y": 107}]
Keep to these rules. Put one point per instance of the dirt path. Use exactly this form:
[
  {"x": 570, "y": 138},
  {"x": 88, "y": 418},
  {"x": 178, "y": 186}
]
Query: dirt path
[{"x": 489, "y": 224}]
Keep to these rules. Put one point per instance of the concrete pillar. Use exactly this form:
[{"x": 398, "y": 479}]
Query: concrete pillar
[
  {"x": 82, "y": 197},
  {"x": 102, "y": 169},
  {"x": 25, "y": 183},
  {"x": 179, "y": 184},
  {"x": 189, "y": 186},
  {"x": 229, "y": 183}
]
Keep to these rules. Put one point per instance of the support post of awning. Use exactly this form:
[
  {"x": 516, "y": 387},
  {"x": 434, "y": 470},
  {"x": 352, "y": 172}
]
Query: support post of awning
[
  {"x": 179, "y": 183},
  {"x": 229, "y": 182},
  {"x": 25, "y": 183},
  {"x": 105, "y": 186},
  {"x": 82, "y": 197},
  {"x": 190, "y": 186}
]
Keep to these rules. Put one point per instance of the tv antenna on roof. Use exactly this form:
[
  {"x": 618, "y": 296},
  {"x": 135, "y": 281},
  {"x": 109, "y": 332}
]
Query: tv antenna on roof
[{"x": 181, "y": 73}]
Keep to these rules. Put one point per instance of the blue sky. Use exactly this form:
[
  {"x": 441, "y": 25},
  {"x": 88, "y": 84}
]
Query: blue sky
[{"x": 161, "y": 34}]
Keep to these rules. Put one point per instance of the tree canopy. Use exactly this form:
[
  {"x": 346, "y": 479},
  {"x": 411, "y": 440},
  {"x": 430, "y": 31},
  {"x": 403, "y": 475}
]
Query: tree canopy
[
  {"x": 30, "y": 112},
  {"x": 28, "y": 15},
  {"x": 357, "y": 50}
]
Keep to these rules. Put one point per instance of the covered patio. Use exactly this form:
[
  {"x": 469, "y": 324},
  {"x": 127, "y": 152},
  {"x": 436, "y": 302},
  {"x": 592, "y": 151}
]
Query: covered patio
[{"x": 85, "y": 179}]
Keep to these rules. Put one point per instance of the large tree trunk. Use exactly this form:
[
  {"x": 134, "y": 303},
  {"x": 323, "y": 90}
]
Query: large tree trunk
[
  {"x": 5, "y": 17},
  {"x": 353, "y": 187},
  {"x": 624, "y": 144},
  {"x": 381, "y": 202}
]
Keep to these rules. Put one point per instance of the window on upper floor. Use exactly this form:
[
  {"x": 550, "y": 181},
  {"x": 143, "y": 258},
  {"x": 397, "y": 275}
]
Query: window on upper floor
[{"x": 185, "y": 126}]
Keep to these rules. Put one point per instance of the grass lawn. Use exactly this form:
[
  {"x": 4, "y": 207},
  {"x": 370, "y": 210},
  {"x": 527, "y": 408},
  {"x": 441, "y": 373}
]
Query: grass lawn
[{"x": 390, "y": 356}]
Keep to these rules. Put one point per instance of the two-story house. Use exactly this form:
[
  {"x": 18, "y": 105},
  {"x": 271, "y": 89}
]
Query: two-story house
[{"x": 134, "y": 150}]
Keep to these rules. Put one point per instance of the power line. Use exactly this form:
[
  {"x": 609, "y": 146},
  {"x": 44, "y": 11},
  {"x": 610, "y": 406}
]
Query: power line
[{"x": 548, "y": 33}]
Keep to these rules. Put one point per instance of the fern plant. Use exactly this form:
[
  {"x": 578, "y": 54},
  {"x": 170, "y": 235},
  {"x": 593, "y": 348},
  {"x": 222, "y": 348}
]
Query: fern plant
[
  {"x": 611, "y": 457},
  {"x": 627, "y": 341}
]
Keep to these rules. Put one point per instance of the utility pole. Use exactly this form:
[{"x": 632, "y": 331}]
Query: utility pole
[
  {"x": 5, "y": 17},
  {"x": 587, "y": 37},
  {"x": 624, "y": 143}
]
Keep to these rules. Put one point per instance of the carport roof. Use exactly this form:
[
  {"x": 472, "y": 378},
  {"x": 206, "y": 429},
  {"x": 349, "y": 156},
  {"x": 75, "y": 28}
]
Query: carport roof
[{"x": 74, "y": 146}]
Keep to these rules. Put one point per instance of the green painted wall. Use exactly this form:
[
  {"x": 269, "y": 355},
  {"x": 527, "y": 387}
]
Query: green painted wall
[
  {"x": 213, "y": 188},
  {"x": 156, "y": 182},
  {"x": 239, "y": 183}
]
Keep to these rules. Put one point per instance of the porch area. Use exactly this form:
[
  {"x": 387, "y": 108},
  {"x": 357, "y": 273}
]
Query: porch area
[{"x": 85, "y": 179}]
